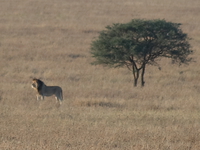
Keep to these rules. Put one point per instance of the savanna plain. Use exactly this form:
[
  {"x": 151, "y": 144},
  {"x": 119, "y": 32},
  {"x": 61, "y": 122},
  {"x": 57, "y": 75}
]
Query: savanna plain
[{"x": 50, "y": 40}]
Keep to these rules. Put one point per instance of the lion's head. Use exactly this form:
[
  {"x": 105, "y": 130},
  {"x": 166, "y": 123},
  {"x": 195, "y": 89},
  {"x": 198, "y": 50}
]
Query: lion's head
[{"x": 37, "y": 84}]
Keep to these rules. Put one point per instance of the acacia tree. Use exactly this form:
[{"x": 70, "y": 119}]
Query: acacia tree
[{"x": 140, "y": 42}]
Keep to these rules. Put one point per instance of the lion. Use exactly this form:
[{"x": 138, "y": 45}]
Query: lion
[{"x": 43, "y": 90}]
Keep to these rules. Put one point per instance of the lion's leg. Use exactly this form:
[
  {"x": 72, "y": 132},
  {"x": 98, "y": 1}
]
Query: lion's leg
[
  {"x": 58, "y": 100},
  {"x": 60, "y": 97},
  {"x": 37, "y": 97}
]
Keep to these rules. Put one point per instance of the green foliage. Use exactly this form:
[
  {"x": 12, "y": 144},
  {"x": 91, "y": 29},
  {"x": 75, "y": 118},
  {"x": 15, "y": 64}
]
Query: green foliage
[{"x": 141, "y": 42}]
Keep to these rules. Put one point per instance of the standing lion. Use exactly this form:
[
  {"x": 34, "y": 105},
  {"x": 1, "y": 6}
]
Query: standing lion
[{"x": 43, "y": 90}]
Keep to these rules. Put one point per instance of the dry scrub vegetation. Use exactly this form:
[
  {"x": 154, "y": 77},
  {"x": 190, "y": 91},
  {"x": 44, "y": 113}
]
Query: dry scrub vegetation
[{"x": 50, "y": 40}]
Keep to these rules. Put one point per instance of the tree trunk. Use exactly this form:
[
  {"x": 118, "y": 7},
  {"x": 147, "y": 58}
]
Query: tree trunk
[
  {"x": 135, "y": 82},
  {"x": 136, "y": 76},
  {"x": 142, "y": 75}
]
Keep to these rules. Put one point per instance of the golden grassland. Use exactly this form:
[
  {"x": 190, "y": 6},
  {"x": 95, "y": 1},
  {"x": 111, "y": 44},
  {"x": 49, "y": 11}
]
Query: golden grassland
[{"x": 50, "y": 40}]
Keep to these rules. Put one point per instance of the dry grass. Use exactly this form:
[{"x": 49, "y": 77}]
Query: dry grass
[{"x": 50, "y": 40}]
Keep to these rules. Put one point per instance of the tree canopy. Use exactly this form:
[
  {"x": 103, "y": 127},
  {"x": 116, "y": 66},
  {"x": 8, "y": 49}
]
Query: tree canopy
[{"x": 140, "y": 42}]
